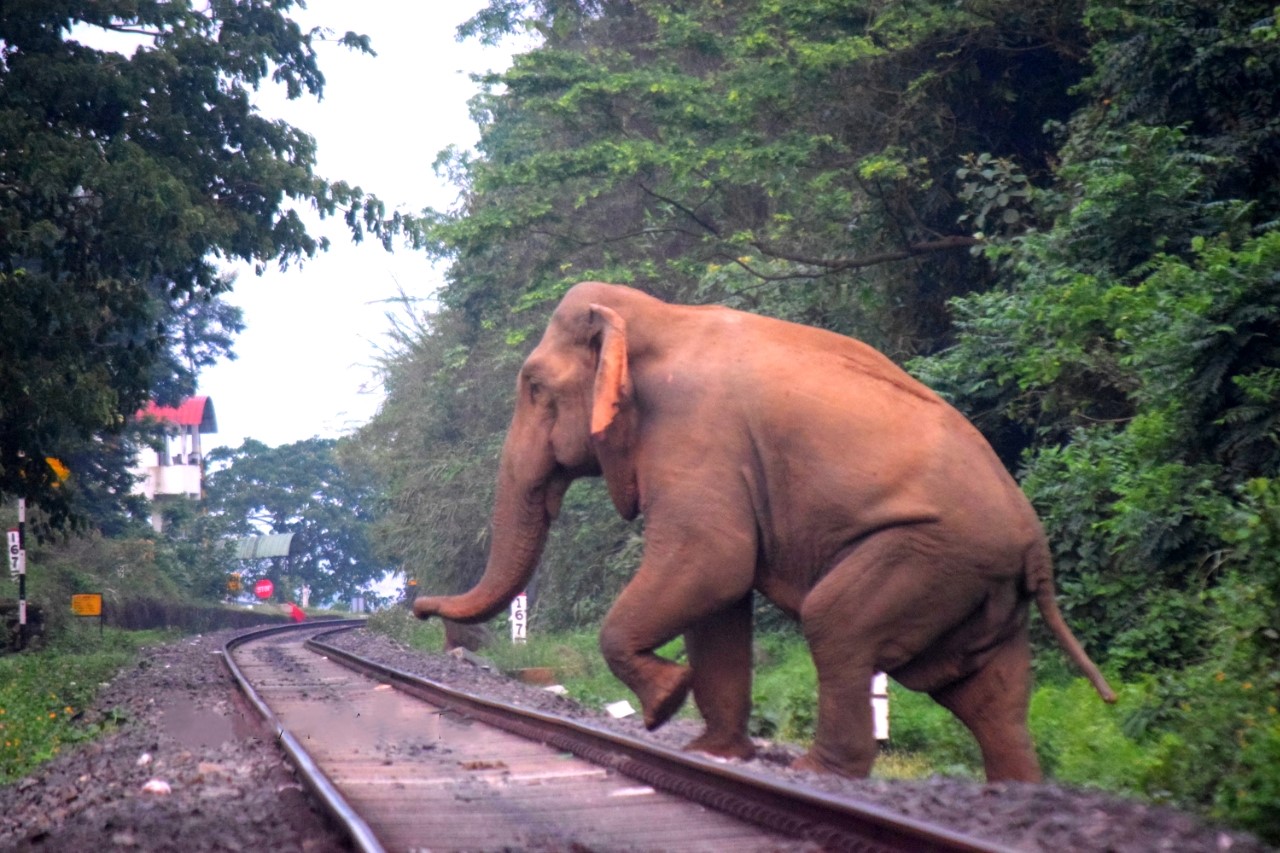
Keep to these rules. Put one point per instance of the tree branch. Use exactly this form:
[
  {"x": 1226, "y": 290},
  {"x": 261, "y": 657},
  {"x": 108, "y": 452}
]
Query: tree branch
[
  {"x": 709, "y": 226},
  {"x": 130, "y": 30},
  {"x": 955, "y": 241}
]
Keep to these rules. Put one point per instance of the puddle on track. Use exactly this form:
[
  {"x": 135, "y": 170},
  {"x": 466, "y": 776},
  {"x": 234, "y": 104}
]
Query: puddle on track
[{"x": 201, "y": 728}]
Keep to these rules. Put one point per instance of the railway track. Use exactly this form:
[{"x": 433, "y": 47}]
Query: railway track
[{"x": 406, "y": 764}]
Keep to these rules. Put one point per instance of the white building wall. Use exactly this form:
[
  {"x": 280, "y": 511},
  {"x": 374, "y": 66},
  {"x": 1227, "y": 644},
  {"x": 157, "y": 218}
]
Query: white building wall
[{"x": 162, "y": 475}]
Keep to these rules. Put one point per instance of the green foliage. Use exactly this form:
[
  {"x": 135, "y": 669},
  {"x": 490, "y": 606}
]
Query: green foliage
[
  {"x": 1081, "y": 740},
  {"x": 434, "y": 445},
  {"x": 1114, "y": 167},
  {"x": 1210, "y": 731},
  {"x": 303, "y": 489},
  {"x": 195, "y": 550},
  {"x": 1129, "y": 362},
  {"x": 991, "y": 186},
  {"x": 125, "y": 180},
  {"x": 120, "y": 569},
  {"x": 401, "y": 625},
  {"x": 799, "y": 142},
  {"x": 1253, "y": 531},
  {"x": 1253, "y": 799},
  {"x": 1162, "y": 382},
  {"x": 42, "y": 696},
  {"x": 1211, "y": 67},
  {"x": 783, "y": 689},
  {"x": 1203, "y": 738}
]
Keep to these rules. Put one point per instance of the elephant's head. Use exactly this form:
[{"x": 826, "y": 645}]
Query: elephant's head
[{"x": 574, "y": 417}]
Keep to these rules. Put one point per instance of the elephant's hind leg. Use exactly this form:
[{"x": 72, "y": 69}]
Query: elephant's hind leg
[
  {"x": 844, "y": 741},
  {"x": 992, "y": 703},
  {"x": 876, "y": 609}
]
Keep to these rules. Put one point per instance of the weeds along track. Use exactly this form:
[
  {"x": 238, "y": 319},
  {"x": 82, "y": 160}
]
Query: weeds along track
[{"x": 407, "y": 764}]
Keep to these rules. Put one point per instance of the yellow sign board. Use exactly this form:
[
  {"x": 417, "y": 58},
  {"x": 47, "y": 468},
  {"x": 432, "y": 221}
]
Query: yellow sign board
[
  {"x": 62, "y": 472},
  {"x": 88, "y": 604}
]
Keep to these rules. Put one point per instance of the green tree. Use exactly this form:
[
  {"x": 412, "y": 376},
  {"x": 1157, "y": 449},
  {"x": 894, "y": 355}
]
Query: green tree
[
  {"x": 300, "y": 488},
  {"x": 1129, "y": 359},
  {"x": 197, "y": 550},
  {"x": 792, "y": 157},
  {"x": 434, "y": 444},
  {"x": 124, "y": 181}
]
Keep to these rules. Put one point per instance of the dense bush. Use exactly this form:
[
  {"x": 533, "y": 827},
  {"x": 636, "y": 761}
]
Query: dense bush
[
  {"x": 783, "y": 689},
  {"x": 145, "y": 582}
]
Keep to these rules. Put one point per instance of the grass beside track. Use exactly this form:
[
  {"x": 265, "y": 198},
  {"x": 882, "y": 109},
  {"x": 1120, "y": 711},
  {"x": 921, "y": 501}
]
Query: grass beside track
[{"x": 43, "y": 693}]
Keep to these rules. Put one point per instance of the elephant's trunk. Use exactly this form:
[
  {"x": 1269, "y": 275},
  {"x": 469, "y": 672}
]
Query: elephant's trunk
[{"x": 521, "y": 518}]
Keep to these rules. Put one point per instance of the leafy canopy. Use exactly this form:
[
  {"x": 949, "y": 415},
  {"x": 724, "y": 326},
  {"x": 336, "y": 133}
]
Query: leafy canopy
[
  {"x": 790, "y": 157},
  {"x": 300, "y": 488},
  {"x": 124, "y": 181}
]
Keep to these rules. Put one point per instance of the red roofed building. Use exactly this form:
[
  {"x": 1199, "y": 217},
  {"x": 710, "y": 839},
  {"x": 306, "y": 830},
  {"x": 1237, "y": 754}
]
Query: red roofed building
[{"x": 177, "y": 469}]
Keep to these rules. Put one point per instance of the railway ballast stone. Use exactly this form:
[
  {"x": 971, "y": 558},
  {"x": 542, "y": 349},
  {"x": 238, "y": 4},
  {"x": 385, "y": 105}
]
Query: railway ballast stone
[{"x": 176, "y": 718}]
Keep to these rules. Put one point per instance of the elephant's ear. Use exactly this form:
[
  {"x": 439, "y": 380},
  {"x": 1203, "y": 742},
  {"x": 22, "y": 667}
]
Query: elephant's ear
[{"x": 613, "y": 413}]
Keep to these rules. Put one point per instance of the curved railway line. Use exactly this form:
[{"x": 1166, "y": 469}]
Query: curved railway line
[{"x": 407, "y": 764}]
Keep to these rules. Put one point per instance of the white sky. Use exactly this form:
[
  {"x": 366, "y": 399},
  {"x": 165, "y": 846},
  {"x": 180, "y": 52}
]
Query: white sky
[{"x": 305, "y": 361}]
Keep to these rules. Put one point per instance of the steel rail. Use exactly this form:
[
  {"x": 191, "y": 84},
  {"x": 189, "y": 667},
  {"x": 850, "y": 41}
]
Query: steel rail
[
  {"x": 350, "y": 822},
  {"x": 801, "y": 813}
]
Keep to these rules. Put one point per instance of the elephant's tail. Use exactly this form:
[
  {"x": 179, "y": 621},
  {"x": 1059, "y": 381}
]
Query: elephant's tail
[{"x": 1040, "y": 579}]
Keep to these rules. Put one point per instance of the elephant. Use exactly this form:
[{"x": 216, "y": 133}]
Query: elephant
[{"x": 775, "y": 458}]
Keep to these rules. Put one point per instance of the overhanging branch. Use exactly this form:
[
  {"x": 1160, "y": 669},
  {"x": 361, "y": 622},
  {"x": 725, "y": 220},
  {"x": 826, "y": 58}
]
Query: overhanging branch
[{"x": 955, "y": 241}]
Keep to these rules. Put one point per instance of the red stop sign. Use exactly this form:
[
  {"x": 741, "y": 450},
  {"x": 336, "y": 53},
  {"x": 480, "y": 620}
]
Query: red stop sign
[{"x": 264, "y": 588}]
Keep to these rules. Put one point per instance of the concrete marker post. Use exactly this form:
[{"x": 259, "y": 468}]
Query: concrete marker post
[
  {"x": 880, "y": 704},
  {"x": 519, "y": 618},
  {"x": 22, "y": 573}
]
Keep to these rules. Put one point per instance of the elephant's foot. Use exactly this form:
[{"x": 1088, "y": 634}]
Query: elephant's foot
[
  {"x": 815, "y": 762},
  {"x": 664, "y": 694},
  {"x": 723, "y": 746}
]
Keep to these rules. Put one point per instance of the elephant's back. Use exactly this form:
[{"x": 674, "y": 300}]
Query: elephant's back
[
  {"x": 777, "y": 367},
  {"x": 842, "y": 433}
]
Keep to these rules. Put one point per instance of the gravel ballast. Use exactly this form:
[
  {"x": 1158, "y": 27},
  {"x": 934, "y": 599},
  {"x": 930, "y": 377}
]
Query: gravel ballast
[{"x": 191, "y": 768}]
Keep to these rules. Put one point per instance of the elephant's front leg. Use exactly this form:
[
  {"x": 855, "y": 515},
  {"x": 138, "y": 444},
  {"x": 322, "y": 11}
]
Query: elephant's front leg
[
  {"x": 628, "y": 637},
  {"x": 719, "y": 649},
  {"x": 682, "y": 581}
]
